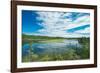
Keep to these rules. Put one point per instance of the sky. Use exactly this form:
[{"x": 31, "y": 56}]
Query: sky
[{"x": 56, "y": 24}]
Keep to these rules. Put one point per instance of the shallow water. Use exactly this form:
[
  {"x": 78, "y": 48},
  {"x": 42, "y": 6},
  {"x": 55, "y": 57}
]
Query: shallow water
[{"x": 50, "y": 47}]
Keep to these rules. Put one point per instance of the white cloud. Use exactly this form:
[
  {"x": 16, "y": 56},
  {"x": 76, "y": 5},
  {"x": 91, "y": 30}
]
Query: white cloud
[
  {"x": 56, "y": 24},
  {"x": 53, "y": 21},
  {"x": 81, "y": 21}
]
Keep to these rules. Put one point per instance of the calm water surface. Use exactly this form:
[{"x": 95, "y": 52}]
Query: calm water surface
[{"x": 50, "y": 47}]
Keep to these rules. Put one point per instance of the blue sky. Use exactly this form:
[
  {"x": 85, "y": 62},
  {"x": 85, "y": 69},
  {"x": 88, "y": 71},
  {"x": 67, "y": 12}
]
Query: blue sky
[{"x": 56, "y": 24}]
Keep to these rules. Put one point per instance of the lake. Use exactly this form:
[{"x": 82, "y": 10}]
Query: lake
[{"x": 48, "y": 50}]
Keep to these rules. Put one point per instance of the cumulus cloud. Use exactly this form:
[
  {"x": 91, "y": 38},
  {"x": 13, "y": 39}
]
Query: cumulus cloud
[{"x": 57, "y": 24}]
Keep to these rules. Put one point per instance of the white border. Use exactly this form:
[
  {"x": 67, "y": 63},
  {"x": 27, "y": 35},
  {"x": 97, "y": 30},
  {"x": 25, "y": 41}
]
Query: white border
[{"x": 53, "y": 63}]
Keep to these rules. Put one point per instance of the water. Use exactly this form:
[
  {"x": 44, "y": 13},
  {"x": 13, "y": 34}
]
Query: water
[{"x": 50, "y": 47}]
